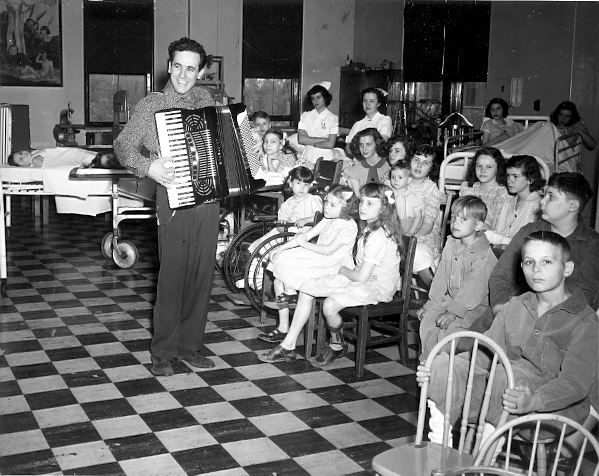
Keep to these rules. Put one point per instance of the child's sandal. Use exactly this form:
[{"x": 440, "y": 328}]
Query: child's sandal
[{"x": 273, "y": 337}]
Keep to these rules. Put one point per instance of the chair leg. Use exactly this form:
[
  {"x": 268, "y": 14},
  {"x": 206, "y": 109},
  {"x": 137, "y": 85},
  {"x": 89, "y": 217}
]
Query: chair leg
[
  {"x": 404, "y": 350},
  {"x": 265, "y": 285},
  {"x": 309, "y": 331},
  {"x": 363, "y": 333},
  {"x": 322, "y": 333},
  {"x": 541, "y": 460}
]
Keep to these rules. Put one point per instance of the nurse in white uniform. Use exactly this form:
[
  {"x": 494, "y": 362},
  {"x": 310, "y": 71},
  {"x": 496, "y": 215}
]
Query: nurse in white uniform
[
  {"x": 318, "y": 128},
  {"x": 372, "y": 98}
]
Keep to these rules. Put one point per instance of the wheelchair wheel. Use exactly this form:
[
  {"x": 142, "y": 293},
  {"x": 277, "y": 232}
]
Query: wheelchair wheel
[
  {"x": 234, "y": 220},
  {"x": 238, "y": 254},
  {"x": 254, "y": 271}
]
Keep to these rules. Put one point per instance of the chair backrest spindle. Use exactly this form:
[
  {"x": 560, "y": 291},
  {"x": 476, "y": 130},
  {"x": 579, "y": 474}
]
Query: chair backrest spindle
[{"x": 499, "y": 356}]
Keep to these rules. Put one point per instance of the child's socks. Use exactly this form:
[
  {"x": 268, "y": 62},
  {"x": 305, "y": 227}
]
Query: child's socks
[
  {"x": 488, "y": 430},
  {"x": 435, "y": 424}
]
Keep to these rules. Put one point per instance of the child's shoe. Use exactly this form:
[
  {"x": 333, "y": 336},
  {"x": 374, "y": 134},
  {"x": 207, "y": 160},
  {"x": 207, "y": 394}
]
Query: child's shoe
[
  {"x": 328, "y": 356},
  {"x": 273, "y": 337},
  {"x": 278, "y": 354}
]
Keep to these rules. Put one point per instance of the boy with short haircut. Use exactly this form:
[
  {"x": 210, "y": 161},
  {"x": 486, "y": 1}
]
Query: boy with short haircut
[
  {"x": 261, "y": 122},
  {"x": 565, "y": 198},
  {"x": 549, "y": 335},
  {"x": 459, "y": 291}
]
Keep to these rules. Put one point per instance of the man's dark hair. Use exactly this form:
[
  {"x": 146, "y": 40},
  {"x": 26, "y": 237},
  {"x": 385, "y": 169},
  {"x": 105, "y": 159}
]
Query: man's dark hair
[
  {"x": 187, "y": 44},
  {"x": 574, "y": 185},
  {"x": 11, "y": 159},
  {"x": 553, "y": 239}
]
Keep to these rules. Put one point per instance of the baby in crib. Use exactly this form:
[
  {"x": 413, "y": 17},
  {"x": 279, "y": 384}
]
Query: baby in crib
[{"x": 35, "y": 158}]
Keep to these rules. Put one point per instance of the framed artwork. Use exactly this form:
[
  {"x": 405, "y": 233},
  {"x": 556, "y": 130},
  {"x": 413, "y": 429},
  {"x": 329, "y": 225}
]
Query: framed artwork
[
  {"x": 100, "y": 90},
  {"x": 30, "y": 43},
  {"x": 214, "y": 74}
]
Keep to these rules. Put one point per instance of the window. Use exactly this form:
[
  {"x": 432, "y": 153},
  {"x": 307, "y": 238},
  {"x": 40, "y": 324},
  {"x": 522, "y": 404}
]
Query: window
[
  {"x": 448, "y": 43},
  {"x": 272, "y": 53},
  {"x": 118, "y": 51}
]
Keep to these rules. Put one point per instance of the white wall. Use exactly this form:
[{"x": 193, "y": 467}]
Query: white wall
[
  {"x": 328, "y": 38},
  {"x": 554, "y": 46},
  {"x": 45, "y": 104},
  {"x": 216, "y": 24}
]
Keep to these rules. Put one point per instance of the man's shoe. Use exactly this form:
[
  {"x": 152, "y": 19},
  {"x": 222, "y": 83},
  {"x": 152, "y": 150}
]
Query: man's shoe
[
  {"x": 278, "y": 354},
  {"x": 194, "y": 359},
  {"x": 161, "y": 367}
]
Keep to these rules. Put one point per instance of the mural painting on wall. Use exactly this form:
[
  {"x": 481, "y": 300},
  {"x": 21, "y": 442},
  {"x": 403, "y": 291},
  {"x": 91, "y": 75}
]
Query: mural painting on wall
[{"x": 30, "y": 43}]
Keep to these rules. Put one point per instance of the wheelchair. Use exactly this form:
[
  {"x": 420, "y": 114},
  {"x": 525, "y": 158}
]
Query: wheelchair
[{"x": 243, "y": 265}]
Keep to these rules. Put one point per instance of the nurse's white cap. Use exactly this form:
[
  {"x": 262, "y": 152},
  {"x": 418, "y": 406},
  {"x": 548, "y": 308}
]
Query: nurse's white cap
[{"x": 324, "y": 84}]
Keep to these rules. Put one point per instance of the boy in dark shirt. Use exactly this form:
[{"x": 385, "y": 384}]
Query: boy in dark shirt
[{"x": 550, "y": 336}]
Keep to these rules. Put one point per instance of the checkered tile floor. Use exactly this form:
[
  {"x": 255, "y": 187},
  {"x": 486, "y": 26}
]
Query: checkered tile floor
[{"x": 77, "y": 396}]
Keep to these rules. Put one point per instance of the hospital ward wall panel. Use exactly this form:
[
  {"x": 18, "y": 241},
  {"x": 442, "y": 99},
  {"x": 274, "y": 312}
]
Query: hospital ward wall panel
[
  {"x": 553, "y": 48},
  {"x": 327, "y": 40}
]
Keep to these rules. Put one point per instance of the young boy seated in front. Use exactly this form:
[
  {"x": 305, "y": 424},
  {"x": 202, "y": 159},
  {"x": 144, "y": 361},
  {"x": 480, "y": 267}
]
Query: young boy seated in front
[
  {"x": 459, "y": 293},
  {"x": 550, "y": 337}
]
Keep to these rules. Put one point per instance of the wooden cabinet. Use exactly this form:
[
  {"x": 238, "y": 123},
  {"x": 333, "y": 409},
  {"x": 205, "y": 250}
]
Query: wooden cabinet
[{"x": 353, "y": 82}]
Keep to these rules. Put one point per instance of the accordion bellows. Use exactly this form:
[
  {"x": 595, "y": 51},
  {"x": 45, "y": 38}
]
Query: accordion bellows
[{"x": 213, "y": 153}]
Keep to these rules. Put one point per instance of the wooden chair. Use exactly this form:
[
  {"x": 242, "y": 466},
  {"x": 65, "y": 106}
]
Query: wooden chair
[
  {"x": 327, "y": 173},
  {"x": 538, "y": 426},
  {"x": 478, "y": 471},
  {"x": 365, "y": 317},
  {"x": 420, "y": 458}
]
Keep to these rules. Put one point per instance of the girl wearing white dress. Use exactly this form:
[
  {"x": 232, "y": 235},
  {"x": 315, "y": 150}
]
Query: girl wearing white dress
[
  {"x": 299, "y": 260},
  {"x": 371, "y": 280}
]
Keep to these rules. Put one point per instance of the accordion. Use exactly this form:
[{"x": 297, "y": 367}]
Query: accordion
[{"x": 212, "y": 151}]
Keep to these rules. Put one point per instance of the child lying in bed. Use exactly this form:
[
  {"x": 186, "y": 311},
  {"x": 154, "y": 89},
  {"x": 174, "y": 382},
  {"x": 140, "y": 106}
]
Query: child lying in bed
[{"x": 26, "y": 158}]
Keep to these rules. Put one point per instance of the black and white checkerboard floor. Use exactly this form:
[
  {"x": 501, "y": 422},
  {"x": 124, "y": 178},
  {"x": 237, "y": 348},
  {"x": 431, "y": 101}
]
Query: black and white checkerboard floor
[{"x": 77, "y": 396}]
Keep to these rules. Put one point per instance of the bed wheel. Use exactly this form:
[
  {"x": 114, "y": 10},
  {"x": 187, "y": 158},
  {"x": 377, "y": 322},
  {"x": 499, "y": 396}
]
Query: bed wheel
[
  {"x": 107, "y": 245},
  {"x": 125, "y": 254}
]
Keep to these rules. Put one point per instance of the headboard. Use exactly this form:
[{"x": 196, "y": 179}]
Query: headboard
[{"x": 14, "y": 129}]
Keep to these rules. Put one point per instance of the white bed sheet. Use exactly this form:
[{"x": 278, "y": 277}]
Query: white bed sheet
[
  {"x": 10, "y": 173},
  {"x": 71, "y": 196}
]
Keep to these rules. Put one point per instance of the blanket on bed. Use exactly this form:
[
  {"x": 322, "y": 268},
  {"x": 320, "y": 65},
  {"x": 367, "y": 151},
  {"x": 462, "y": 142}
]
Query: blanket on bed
[
  {"x": 539, "y": 140},
  {"x": 73, "y": 196}
]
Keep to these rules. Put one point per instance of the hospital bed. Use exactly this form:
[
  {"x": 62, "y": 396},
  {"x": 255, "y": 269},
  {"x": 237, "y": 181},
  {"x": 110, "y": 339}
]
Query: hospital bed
[
  {"x": 124, "y": 186},
  {"x": 473, "y": 140},
  {"x": 540, "y": 138},
  {"x": 82, "y": 191}
]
